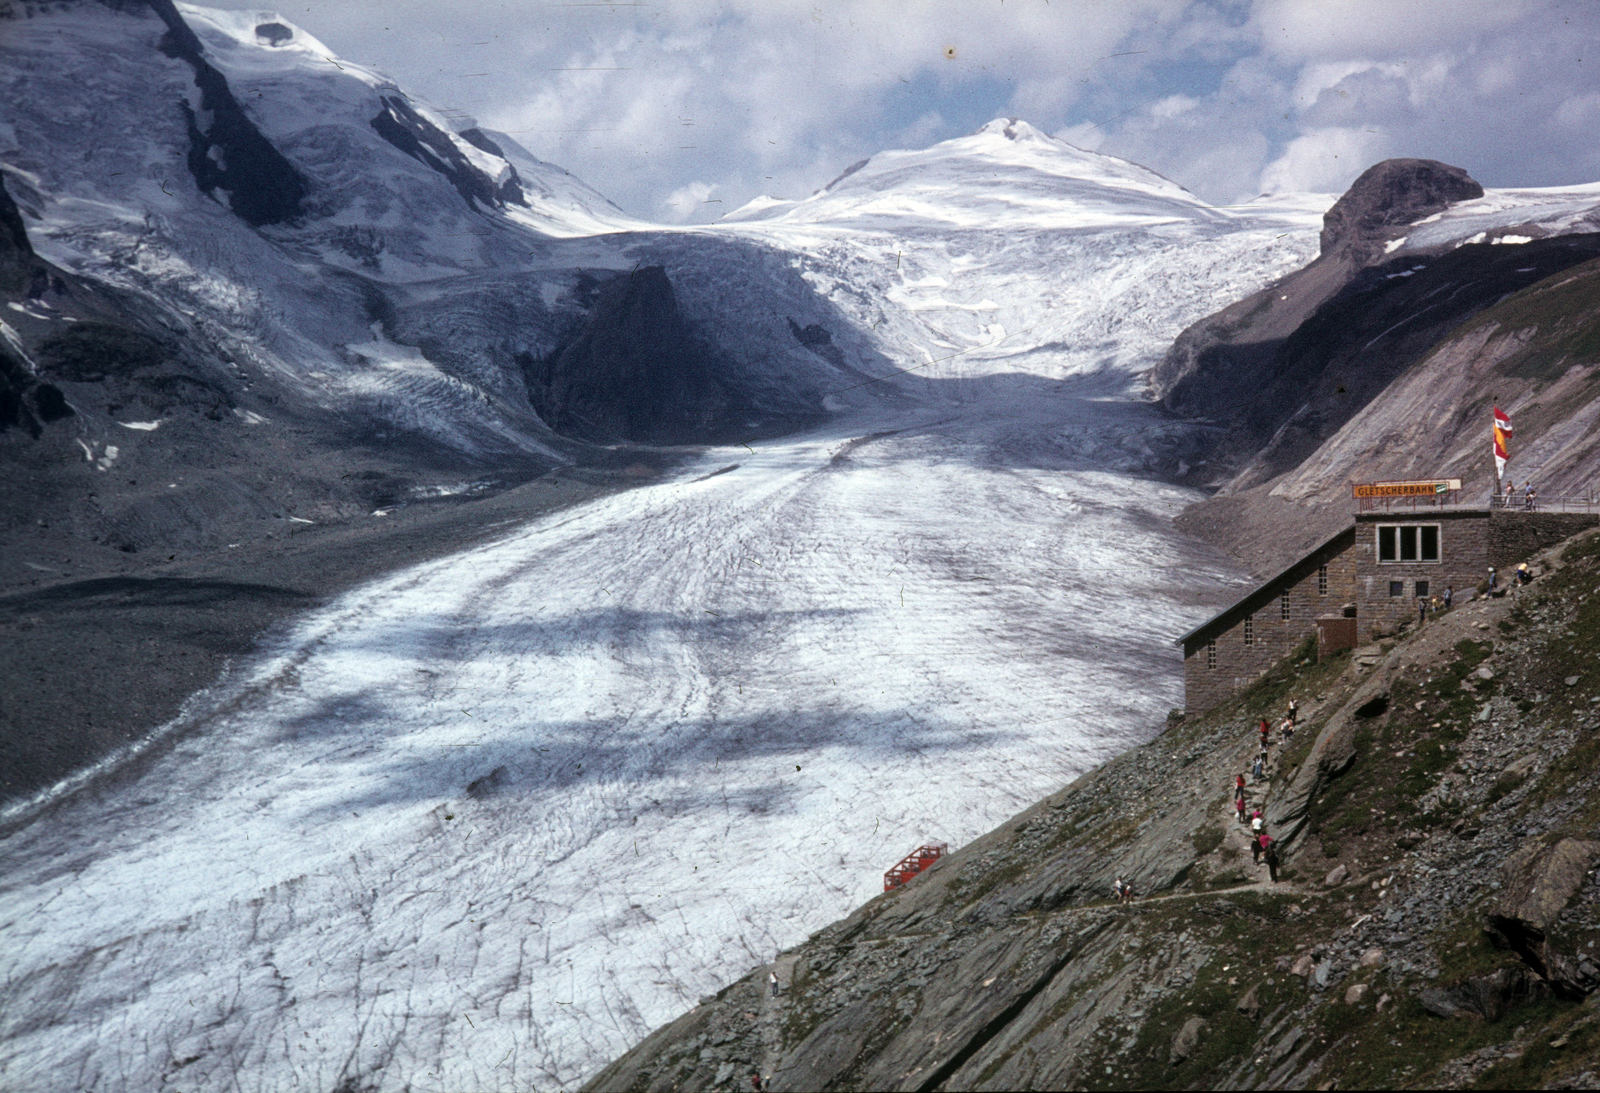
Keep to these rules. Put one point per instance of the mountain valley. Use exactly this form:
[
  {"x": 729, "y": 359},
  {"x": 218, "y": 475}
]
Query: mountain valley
[{"x": 461, "y": 636}]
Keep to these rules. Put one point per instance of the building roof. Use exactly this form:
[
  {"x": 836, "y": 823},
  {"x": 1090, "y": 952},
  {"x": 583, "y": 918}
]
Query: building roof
[{"x": 1262, "y": 594}]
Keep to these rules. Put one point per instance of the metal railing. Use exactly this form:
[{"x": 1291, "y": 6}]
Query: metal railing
[
  {"x": 1416, "y": 501},
  {"x": 1517, "y": 502},
  {"x": 1567, "y": 502}
]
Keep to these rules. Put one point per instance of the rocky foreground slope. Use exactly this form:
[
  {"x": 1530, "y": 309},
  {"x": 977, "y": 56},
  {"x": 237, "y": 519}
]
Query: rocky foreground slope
[{"x": 1434, "y": 923}]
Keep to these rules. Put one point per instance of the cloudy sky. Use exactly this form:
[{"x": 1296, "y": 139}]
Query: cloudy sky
[{"x": 682, "y": 110}]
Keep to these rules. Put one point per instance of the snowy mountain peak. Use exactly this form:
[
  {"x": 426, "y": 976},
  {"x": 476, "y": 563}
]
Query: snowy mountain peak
[
  {"x": 1012, "y": 129},
  {"x": 1007, "y": 173},
  {"x": 258, "y": 28}
]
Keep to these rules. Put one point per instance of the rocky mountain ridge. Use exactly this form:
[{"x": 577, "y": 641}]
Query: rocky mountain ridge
[
  {"x": 1433, "y": 924},
  {"x": 1381, "y": 359},
  {"x": 295, "y": 294}
]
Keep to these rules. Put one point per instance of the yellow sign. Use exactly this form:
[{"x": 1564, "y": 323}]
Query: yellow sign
[{"x": 1406, "y": 489}]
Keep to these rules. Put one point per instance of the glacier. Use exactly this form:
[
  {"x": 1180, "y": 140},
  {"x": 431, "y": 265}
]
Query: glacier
[{"x": 485, "y": 822}]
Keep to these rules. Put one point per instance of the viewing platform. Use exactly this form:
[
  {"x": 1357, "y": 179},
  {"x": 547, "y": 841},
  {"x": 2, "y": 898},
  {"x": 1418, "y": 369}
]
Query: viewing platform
[
  {"x": 913, "y": 863},
  {"x": 1443, "y": 493}
]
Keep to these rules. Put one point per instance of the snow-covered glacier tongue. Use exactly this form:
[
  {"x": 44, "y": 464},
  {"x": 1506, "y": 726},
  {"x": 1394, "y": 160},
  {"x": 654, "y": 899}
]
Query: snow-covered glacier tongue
[{"x": 484, "y": 823}]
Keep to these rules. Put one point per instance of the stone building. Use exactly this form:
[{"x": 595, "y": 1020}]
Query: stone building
[{"x": 1362, "y": 582}]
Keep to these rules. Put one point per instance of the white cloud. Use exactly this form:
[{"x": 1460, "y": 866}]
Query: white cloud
[
  {"x": 1369, "y": 30},
  {"x": 1324, "y": 160},
  {"x": 1172, "y": 106},
  {"x": 685, "y": 202}
]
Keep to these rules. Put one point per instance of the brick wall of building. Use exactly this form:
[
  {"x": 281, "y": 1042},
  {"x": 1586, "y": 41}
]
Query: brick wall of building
[
  {"x": 1299, "y": 593},
  {"x": 1463, "y": 562},
  {"x": 1514, "y": 536}
]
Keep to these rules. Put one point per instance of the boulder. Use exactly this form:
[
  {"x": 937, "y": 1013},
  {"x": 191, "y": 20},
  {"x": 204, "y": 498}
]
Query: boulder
[
  {"x": 1493, "y": 996},
  {"x": 1337, "y": 876},
  {"x": 1303, "y": 965},
  {"x": 1355, "y": 993},
  {"x": 1538, "y": 879},
  {"x": 1372, "y": 958},
  {"x": 1187, "y": 1039},
  {"x": 1249, "y": 1005},
  {"x": 1515, "y": 774},
  {"x": 1439, "y": 1002},
  {"x": 1490, "y": 996},
  {"x": 1536, "y": 883}
]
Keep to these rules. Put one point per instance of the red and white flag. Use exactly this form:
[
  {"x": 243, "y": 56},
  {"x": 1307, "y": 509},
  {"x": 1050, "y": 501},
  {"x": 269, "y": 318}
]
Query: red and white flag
[{"x": 1502, "y": 434}]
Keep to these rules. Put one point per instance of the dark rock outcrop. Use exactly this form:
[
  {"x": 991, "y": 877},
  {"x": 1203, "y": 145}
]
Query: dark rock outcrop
[
  {"x": 1538, "y": 882},
  {"x": 636, "y": 372},
  {"x": 226, "y": 150},
  {"x": 274, "y": 34},
  {"x": 1391, "y": 194},
  {"x": 25, "y": 401},
  {"x": 15, "y": 250},
  {"x": 816, "y": 338},
  {"x": 425, "y": 142}
]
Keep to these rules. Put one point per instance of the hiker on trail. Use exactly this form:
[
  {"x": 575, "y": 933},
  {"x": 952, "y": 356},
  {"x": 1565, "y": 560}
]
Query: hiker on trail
[
  {"x": 1294, "y": 711},
  {"x": 1524, "y": 574},
  {"x": 1238, "y": 787},
  {"x": 1122, "y": 890},
  {"x": 772, "y": 978},
  {"x": 1530, "y": 498},
  {"x": 1494, "y": 579},
  {"x": 1257, "y": 845},
  {"x": 1257, "y": 822},
  {"x": 1449, "y": 594},
  {"x": 1261, "y": 762},
  {"x": 1238, "y": 805},
  {"x": 1264, "y": 730},
  {"x": 1287, "y": 728},
  {"x": 1272, "y": 858},
  {"x": 1422, "y": 610}
]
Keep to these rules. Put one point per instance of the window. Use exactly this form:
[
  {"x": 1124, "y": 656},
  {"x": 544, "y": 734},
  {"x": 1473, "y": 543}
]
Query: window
[
  {"x": 1211, "y": 655},
  {"x": 1283, "y": 604},
  {"x": 1408, "y": 542},
  {"x": 1249, "y": 629},
  {"x": 1422, "y": 590},
  {"x": 1397, "y": 588},
  {"x": 1322, "y": 581}
]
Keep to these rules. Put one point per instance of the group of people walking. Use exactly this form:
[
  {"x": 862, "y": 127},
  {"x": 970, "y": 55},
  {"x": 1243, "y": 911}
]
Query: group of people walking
[
  {"x": 1262, "y": 845},
  {"x": 1286, "y": 728}
]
